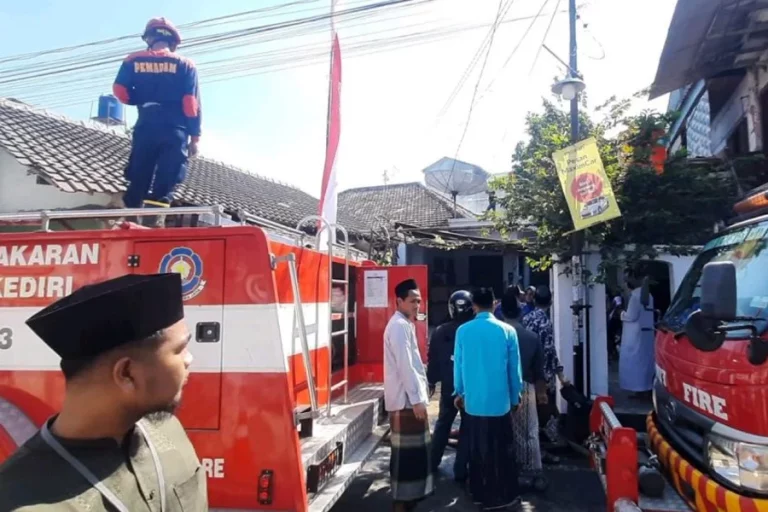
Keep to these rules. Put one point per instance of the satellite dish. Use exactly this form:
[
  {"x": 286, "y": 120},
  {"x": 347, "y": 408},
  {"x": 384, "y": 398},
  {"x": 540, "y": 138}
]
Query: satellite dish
[{"x": 456, "y": 178}]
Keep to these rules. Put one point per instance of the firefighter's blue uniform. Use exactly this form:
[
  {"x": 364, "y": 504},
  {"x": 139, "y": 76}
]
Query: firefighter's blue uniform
[{"x": 164, "y": 88}]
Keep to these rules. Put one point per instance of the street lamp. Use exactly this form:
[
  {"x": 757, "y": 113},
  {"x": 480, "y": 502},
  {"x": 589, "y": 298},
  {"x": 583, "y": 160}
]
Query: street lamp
[{"x": 569, "y": 88}]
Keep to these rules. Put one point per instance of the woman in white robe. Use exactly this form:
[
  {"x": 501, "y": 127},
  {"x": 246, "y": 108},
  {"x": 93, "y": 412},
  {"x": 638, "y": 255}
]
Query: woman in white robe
[{"x": 637, "y": 365}]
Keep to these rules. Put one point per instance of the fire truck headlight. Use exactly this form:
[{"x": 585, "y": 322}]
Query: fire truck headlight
[
  {"x": 722, "y": 459},
  {"x": 744, "y": 465},
  {"x": 753, "y": 466}
]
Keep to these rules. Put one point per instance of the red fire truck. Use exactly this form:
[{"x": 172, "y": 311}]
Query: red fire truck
[
  {"x": 709, "y": 426},
  {"x": 284, "y": 402}
]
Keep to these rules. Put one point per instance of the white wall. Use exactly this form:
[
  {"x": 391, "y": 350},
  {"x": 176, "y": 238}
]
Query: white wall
[
  {"x": 476, "y": 203},
  {"x": 561, "y": 318},
  {"x": 19, "y": 190},
  {"x": 562, "y": 289}
]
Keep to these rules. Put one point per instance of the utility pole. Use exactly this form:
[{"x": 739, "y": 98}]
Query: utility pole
[
  {"x": 579, "y": 306},
  {"x": 574, "y": 65}
]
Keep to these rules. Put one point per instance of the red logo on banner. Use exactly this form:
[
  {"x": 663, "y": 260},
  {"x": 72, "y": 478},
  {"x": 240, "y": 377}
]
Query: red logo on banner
[{"x": 586, "y": 186}]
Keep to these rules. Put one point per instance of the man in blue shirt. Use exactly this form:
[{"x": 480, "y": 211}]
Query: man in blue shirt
[
  {"x": 163, "y": 86},
  {"x": 488, "y": 383}
]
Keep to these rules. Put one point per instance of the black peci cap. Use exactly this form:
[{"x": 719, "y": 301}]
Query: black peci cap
[{"x": 99, "y": 317}]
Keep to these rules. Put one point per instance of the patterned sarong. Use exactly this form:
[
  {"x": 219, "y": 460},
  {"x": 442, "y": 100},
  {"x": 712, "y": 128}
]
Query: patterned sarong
[
  {"x": 409, "y": 466},
  {"x": 525, "y": 423}
]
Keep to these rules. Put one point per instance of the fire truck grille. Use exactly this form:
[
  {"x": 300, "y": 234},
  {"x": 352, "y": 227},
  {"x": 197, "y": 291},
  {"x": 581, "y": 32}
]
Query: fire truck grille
[{"x": 685, "y": 429}]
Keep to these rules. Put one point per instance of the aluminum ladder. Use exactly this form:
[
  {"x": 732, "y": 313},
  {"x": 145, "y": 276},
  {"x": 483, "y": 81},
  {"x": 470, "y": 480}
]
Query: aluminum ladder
[{"x": 332, "y": 228}]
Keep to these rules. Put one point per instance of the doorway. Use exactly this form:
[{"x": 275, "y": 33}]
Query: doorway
[
  {"x": 660, "y": 288},
  {"x": 487, "y": 271},
  {"x": 659, "y": 285}
]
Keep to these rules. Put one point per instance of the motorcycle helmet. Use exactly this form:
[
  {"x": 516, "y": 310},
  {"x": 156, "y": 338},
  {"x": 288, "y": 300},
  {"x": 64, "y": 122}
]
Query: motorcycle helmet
[{"x": 460, "y": 305}]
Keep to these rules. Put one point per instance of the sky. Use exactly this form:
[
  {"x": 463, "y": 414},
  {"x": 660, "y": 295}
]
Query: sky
[{"x": 274, "y": 124}]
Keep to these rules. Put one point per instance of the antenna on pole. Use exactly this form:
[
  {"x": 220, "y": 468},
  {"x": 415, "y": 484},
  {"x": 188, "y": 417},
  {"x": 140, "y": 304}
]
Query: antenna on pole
[{"x": 388, "y": 174}]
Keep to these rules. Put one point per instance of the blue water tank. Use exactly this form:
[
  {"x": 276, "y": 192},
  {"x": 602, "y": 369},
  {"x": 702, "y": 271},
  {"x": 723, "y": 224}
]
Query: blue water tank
[{"x": 110, "y": 110}]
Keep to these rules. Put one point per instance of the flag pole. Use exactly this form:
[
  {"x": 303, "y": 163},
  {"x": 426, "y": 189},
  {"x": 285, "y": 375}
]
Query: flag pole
[{"x": 328, "y": 165}]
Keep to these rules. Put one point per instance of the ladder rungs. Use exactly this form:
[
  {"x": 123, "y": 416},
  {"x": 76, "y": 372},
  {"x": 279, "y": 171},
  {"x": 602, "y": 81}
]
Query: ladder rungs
[
  {"x": 340, "y": 281},
  {"x": 339, "y": 385},
  {"x": 339, "y": 333},
  {"x": 339, "y": 316}
]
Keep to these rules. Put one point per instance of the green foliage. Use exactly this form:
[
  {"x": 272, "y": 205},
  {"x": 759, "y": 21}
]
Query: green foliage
[{"x": 680, "y": 207}]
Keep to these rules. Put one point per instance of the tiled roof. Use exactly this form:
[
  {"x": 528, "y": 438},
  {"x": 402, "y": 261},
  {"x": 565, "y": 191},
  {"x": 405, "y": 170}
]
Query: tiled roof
[
  {"x": 85, "y": 157},
  {"x": 408, "y": 203}
]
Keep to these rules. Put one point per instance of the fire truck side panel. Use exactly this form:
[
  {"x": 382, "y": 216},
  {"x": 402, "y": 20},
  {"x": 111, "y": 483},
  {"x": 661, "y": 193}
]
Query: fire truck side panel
[
  {"x": 312, "y": 268},
  {"x": 721, "y": 385},
  {"x": 247, "y": 368},
  {"x": 201, "y": 263},
  {"x": 373, "y": 320}
]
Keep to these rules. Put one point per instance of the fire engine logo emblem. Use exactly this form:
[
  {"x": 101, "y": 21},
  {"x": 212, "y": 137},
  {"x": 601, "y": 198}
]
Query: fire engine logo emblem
[{"x": 186, "y": 262}]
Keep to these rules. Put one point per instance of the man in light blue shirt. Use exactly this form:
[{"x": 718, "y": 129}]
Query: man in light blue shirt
[{"x": 488, "y": 383}]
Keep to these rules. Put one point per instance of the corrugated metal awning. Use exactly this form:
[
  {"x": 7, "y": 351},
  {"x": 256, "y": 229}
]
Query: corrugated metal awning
[{"x": 710, "y": 37}]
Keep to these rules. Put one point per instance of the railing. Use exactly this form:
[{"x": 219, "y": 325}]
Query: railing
[
  {"x": 249, "y": 218},
  {"x": 46, "y": 216},
  {"x": 614, "y": 457},
  {"x": 298, "y": 319},
  {"x": 332, "y": 228}
]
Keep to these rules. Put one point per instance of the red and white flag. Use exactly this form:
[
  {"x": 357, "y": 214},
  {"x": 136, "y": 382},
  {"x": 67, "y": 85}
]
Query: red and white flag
[{"x": 329, "y": 191}]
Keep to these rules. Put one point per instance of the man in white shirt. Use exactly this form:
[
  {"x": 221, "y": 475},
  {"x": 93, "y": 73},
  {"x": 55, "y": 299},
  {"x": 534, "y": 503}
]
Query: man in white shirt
[{"x": 405, "y": 398}]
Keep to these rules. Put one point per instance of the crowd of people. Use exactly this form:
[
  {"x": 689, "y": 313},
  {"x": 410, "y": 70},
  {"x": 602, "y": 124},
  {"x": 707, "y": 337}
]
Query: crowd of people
[
  {"x": 496, "y": 364},
  {"x": 497, "y": 367}
]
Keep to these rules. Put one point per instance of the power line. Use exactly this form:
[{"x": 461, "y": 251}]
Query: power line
[
  {"x": 544, "y": 39},
  {"x": 594, "y": 38},
  {"x": 24, "y": 74},
  {"x": 514, "y": 50},
  {"x": 314, "y": 52},
  {"x": 472, "y": 63},
  {"x": 32, "y": 55},
  {"x": 477, "y": 86},
  {"x": 81, "y": 90}
]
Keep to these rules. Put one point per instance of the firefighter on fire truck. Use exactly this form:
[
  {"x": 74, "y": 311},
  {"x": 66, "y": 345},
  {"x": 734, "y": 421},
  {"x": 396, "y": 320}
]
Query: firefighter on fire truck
[{"x": 164, "y": 87}]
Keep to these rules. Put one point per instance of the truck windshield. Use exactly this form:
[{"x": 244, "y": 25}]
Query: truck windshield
[{"x": 745, "y": 247}]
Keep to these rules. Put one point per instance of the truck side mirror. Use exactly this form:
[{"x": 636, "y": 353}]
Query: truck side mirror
[
  {"x": 718, "y": 304},
  {"x": 718, "y": 291}
]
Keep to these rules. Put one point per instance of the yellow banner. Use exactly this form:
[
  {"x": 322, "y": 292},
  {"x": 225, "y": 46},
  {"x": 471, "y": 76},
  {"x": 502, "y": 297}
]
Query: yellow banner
[{"x": 586, "y": 187}]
